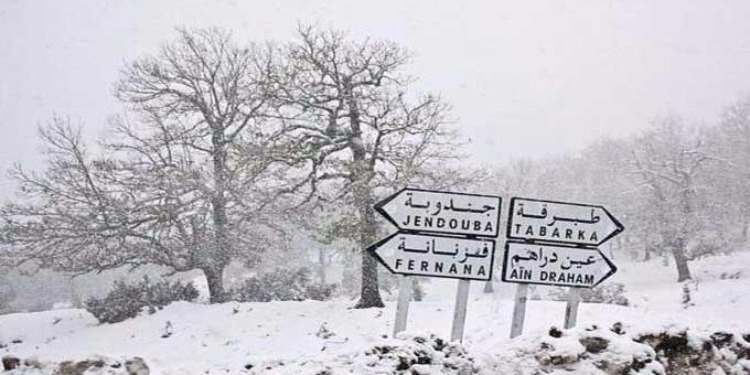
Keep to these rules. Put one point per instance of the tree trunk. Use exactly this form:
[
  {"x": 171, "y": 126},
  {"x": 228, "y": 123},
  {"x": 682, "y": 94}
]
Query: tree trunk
[
  {"x": 680, "y": 260},
  {"x": 369, "y": 293},
  {"x": 217, "y": 256},
  {"x": 215, "y": 281},
  {"x": 361, "y": 173}
]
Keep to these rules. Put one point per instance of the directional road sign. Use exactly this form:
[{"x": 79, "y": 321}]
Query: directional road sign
[
  {"x": 425, "y": 211},
  {"x": 439, "y": 256},
  {"x": 555, "y": 265},
  {"x": 558, "y": 222}
]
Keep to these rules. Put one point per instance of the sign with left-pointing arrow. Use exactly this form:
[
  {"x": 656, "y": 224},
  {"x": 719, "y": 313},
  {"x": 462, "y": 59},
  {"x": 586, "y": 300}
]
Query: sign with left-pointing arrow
[
  {"x": 436, "y": 256},
  {"x": 425, "y": 211},
  {"x": 441, "y": 234}
]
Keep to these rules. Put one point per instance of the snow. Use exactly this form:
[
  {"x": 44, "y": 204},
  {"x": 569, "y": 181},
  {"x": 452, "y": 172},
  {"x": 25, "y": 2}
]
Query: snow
[{"x": 225, "y": 338}]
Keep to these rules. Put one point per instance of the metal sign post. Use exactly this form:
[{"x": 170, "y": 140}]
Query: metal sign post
[
  {"x": 571, "y": 307},
  {"x": 519, "y": 310},
  {"x": 402, "y": 306},
  {"x": 459, "y": 312},
  {"x": 441, "y": 234}
]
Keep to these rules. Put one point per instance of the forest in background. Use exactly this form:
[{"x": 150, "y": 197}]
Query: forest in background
[{"x": 233, "y": 161}]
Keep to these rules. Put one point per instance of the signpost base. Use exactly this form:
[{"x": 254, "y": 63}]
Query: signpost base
[
  {"x": 571, "y": 309},
  {"x": 402, "y": 306},
  {"x": 519, "y": 310},
  {"x": 459, "y": 314}
]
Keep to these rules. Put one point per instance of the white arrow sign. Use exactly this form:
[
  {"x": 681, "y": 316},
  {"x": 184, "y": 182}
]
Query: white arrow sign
[
  {"x": 440, "y": 256},
  {"x": 440, "y": 212},
  {"x": 560, "y": 222},
  {"x": 555, "y": 265}
]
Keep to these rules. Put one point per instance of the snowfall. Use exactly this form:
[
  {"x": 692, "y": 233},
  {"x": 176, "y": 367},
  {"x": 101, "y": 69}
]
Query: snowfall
[{"x": 658, "y": 333}]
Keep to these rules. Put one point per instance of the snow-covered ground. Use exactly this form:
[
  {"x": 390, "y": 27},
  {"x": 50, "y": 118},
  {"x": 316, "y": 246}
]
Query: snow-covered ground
[{"x": 187, "y": 338}]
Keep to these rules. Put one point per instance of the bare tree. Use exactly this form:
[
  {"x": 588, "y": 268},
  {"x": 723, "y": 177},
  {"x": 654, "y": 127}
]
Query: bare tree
[
  {"x": 348, "y": 104},
  {"x": 182, "y": 185},
  {"x": 669, "y": 160},
  {"x": 733, "y": 136},
  {"x": 209, "y": 97}
]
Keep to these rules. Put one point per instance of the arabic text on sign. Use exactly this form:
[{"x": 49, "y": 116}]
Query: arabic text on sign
[
  {"x": 445, "y": 212},
  {"x": 554, "y": 265},
  {"x": 557, "y": 222},
  {"x": 430, "y": 255}
]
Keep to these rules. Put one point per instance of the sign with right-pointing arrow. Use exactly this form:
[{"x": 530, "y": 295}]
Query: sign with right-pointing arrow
[
  {"x": 555, "y": 265},
  {"x": 554, "y": 243},
  {"x": 558, "y": 222}
]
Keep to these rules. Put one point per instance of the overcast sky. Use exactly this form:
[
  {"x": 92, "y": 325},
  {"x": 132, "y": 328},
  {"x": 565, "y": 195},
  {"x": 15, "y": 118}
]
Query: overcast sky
[{"x": 525, "y": 78}]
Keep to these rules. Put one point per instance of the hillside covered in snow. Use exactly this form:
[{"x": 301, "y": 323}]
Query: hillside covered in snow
[{"x": 650, "y": 336}]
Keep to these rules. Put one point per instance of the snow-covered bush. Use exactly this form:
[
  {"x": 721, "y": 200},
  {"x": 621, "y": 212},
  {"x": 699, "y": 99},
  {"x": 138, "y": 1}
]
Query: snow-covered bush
[
  {"x": 125, "y": 301},
  {"x": 599, "y": 351},
  {"x": 282, "y": 285},
  {"x": 96, "y": 365},
  {"x": 409, "y": 354},
  {"x": 611, "y": 293}
]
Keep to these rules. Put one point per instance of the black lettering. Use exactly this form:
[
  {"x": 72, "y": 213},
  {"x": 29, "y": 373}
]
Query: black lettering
[
  {"x": 477, "y": 226},
  {"x": 417, "y": 221},
  {"x": 589, "y": 279},
  {"x": 542, "y": 231},
  {"x": 481, "y": 272},
  {"x": 569, "y": 234},
  {"x": 514, "y": 274},
  {"x": 467, "y": 269},
  {"x": 529, "y": 231},
  {"x": 582, "y": 235},
  {"x": 428, "y": 222},
  {"x": 423, "y": 266},
  {"x": 465, "y": 224},
  {"x": 518, "y": 228},
  {"x": 440, "y": 222},
  {"x": 398, "y": 263},
  {"x": 410, "y": 265},
  {"x": 593, "y": 237},
  {"x": 488, "y": 227},
  {"x": 439, "y": 267},
  {"x": 556, "y": 233},
  {"x": 453, "y": 269},
  {"x": 453, "y": 223},
  {"x": 543, "y": 275},
  {"x": 527, "y": 274},
  {"x": 407, "y": 220}
]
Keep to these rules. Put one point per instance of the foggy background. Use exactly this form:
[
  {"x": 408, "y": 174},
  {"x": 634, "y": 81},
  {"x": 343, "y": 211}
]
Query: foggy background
[{"x": 523, "y": 79}]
